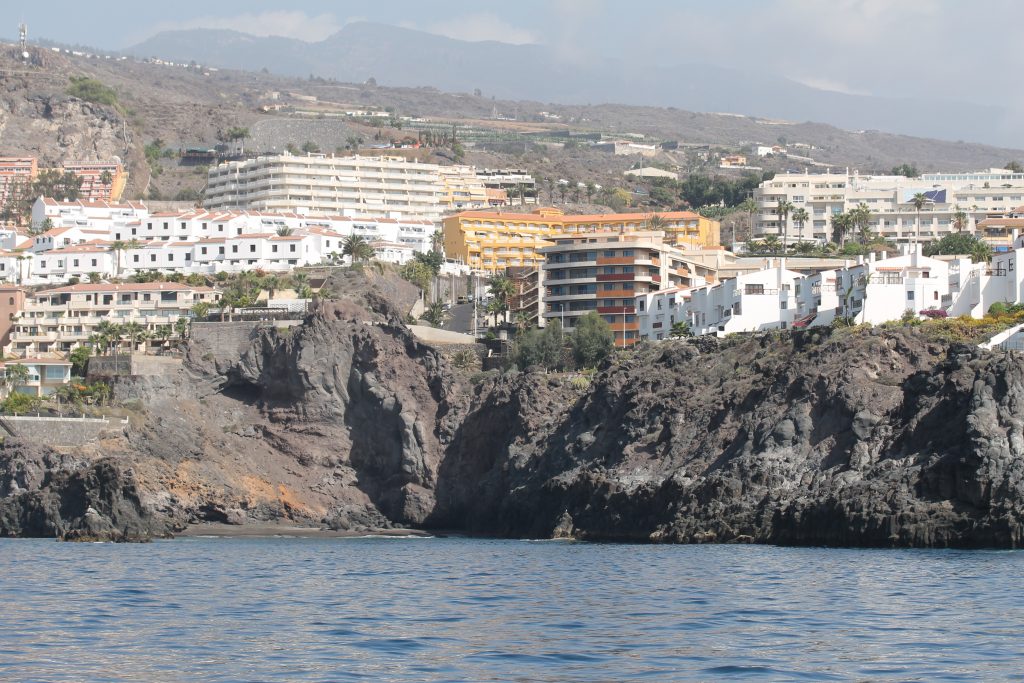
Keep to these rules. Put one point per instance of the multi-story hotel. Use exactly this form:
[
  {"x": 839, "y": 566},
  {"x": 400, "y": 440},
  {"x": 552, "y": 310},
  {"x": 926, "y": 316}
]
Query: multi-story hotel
[
  {"x": 15, "y": 172},
  {"x": 980, "y": 195},
  {"x": 59, "y": 320},
  {"x": 493, "y": 241},
  {"x": 604, "y": 272},
  {"x": 352, "y": 186},
  {"x": 102, "y": 181}
]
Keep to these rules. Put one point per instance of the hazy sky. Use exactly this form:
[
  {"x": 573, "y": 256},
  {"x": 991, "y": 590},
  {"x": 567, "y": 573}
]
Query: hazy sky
[{"x": 948, "y": 49}]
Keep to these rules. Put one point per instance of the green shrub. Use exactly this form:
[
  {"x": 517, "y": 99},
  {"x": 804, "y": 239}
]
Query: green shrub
[{"x": 91, "y": 90}]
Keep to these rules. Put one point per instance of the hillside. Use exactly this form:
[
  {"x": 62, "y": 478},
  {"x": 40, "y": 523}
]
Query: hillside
[{"x": 185, "y": 107}]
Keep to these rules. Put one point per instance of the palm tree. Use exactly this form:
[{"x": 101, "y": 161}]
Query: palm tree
[
  {"x": 284, "y": 231},
  {"x": 771, "y": 244},
  {"x": 860, "y": 219},
  {"x": 840, "y": 226},
  {"x": 959, "y": 218},
  {"x": 181, "y": 327},
  {"x": 109, "y": 332},
  {"x": 655, "y": 221},
  {"x": 919, "y": 200},
  {"x": 749, "y": 207},
  {"x": 437, "y": 242},
  {"x": 135, "y": 333},
  {"x": 800, "y": 217},
  {"x": 501, "y": 288},
  {"x": 782, "y": 210},
  {"x": 117, "y": 247},
  {"x": 358, "y": 248}
]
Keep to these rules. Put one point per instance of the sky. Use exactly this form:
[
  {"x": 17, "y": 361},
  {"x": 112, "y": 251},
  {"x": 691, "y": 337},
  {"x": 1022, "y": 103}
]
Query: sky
[{"x": 942, "y": 49}]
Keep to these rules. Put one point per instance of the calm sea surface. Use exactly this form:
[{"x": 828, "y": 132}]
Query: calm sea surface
[{"x": 383, "y": 609}]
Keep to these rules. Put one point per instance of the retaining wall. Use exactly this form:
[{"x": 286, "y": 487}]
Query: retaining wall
[{"x": 57, "y": 431}]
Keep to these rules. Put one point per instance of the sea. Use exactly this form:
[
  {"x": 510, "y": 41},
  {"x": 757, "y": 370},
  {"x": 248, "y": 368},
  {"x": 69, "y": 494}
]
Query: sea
[{"x": 466, "y": 609}]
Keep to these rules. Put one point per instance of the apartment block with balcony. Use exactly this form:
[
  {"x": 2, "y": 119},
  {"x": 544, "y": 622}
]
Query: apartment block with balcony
[
  {"x": 102, "y": 181},
  {"x": 604, "y": 272},
  {"x": 526, "y": 302},
  {"x": 981, "y": 195},
  {"x": 16, "y": 176},
  {"x": 56, "y": 321},
  {"x": 354, "y": 186}
]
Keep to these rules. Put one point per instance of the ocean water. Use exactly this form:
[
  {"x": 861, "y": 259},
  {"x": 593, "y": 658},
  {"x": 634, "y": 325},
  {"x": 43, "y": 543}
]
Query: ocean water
[{"x": 450, "y": 609}]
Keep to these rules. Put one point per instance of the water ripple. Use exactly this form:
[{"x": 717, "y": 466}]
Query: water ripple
[{"x": 285, "y": 609}]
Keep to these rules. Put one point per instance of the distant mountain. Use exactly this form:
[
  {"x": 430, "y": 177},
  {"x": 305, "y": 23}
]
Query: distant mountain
[{"x": 403, "y": 57}]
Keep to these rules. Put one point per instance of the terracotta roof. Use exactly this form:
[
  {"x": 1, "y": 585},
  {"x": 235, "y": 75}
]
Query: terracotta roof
[
  {"x": 574, "y": 219},
  {"x": 996, "y": 222}
]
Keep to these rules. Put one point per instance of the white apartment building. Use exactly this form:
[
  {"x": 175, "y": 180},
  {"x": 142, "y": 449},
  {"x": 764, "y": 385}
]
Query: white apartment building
[
  {"x": 764, "y": 300},
  {"x": 59, "y": 320},
  {"x": 316, "y": 183},
  {"x": 980, "y": 195},
  {"x": 195, "y": 241},
  {"x": 871, "y": 291}
]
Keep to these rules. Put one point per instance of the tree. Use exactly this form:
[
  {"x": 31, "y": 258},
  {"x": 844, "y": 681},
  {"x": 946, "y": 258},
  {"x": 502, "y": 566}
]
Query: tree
[
  {"x": 284, "y": 231},
  {"x": 417, "y": 273},
  {"x": 62, "y": 186},
  {"x": 181, "y": 327},
  {"x": 655, "y": 221},
  {"x": 905, "y": 170},
  {"x": 545, "y": 348},
  {"x": 771, "y": 244},
  {"x": 961, "y": 243},
  {"x": 117, "y": 246},
  {"x": 1014, "y": 166},
  {"x": 15, "y": 375},
  {"x": 358, "y": 248},
  {"x": 800, "y": 217},
  {"x": 106, "y": 177},
  {"x": 310, "y": 147},
  {"x": 80, "y": 360},
  {"x": 919, "y": 200},
  {"x": 592, "y": 340},
  {"x": 860, "y": 220},
  {"x": 840, "y": 226},
  {"x": 960, "y": 218},
  {"x": 201, "y": 310},
  {"x": 135, "y": 333},
  {"x": 501, "y": 288},
  {"x": 782, "y": 211},
  {"x": 432, "y": 260}
]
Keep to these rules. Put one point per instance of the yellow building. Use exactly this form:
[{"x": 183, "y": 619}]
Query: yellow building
[
  {"x": 462, "y": 188},
  {"x": 488, "y": 240}
]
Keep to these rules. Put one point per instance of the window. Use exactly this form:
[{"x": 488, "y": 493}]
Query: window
[
  {"x": 152, "y": 257},
  {"x": 291, "y": 247},
  {"x": 234, "y": 248},
  {"x": 170, "y": 257},
  {"x": 167, "y": 226},
  {"x": 252, "y": 248},
  {"x": 910, "y": 296},
  {"x": 94, "y": 263},
  {"x": 273, "y": 248},
  {"x": 202, "y": 250},
  {"x": 55, "y": 372},
  {"x": 75, "y": 261},
  {"x": 135, "y": 258}
]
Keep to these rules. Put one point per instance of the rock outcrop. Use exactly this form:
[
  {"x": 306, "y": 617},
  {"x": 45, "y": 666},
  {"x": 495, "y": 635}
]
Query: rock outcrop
[{"x": 871, "y": 438}]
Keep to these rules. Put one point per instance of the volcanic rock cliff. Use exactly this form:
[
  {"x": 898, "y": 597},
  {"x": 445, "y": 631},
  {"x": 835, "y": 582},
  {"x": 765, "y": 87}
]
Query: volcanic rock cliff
[{"x": 878, "y": 437}]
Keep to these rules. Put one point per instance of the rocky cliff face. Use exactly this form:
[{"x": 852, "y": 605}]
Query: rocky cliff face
[{"x": 878, "y": 438}]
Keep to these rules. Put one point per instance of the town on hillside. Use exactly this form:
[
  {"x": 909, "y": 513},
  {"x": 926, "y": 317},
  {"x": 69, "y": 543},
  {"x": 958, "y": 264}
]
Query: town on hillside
[{"x": 94, "y": 276}]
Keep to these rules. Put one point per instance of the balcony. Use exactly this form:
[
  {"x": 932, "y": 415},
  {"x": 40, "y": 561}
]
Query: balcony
[
  {"x": 616, "y": 277},
  {"x": 621, "y": 310}
]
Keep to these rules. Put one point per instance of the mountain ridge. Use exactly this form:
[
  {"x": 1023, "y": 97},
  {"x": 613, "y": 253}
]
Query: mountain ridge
[{"x": 408, "y": 58}]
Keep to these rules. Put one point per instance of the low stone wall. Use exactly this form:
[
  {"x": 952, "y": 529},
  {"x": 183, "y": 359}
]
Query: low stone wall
[{"x": 57, "y": 431}]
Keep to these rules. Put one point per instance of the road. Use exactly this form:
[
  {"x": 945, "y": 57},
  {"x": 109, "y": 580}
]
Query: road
[{"x": 460, "y": 319}]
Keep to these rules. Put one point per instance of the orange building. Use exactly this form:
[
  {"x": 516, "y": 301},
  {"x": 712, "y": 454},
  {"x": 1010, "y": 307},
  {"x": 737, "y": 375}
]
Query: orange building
[
  {"x": 102, "y": 181},
  {"x": 15, "y": 171},
  {"x": 493, "y": 241}
]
